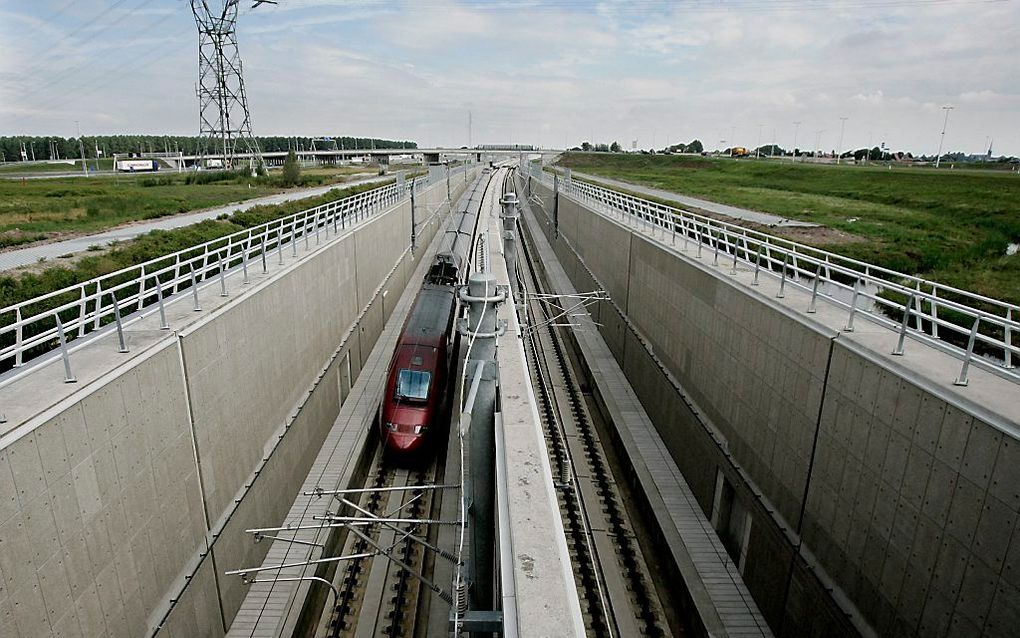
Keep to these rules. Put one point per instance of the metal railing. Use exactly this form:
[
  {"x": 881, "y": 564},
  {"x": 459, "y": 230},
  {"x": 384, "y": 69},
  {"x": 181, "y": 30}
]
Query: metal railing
[
  {"x": 37, "y": 326},
  {"x": 979, "y": 330}
]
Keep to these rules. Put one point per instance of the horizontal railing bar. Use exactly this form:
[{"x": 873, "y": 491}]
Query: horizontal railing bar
[
  {"x": 91, "y": 302},
  {"x": 800, "y": 265}
]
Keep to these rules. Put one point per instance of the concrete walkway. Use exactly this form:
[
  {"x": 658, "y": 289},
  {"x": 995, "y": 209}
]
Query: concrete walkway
[
  {"x": 699, "y": 205},
  {"x": 32, "y": 254}
]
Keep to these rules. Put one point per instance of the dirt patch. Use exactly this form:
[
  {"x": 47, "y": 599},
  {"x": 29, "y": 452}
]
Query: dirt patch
[{"x": 811, "y": 235}]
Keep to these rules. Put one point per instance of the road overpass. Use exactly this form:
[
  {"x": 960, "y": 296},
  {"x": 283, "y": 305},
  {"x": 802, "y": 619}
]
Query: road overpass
[
  {"x": 699, "y": 433},
  {"x": 383, "y": 155}
]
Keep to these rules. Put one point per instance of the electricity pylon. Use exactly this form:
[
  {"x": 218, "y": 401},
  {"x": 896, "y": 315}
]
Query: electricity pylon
[{"x": 224, "y": 118}]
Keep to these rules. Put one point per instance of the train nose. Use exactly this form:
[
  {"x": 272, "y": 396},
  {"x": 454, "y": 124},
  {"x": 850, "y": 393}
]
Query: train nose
[{"x": 403, "y": 442}]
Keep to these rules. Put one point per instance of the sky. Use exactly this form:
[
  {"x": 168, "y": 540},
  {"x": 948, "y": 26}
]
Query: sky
[{"x": 553, "y": 73}]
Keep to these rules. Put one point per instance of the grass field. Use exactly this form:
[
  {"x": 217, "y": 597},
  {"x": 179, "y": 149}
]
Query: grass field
[
  {"x": 30, "y": 282},
  {"x": 950, "y": 226},
  {"x": 34, "y": 210}
]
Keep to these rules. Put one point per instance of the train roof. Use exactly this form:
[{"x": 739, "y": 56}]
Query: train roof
[{"x": 430, "y": 317}]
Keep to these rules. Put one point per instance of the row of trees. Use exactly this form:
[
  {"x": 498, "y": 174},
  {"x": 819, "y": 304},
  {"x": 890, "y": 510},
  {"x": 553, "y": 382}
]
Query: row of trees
[
  {"x": 588, "y": 147},
  {"x": 54, "y": 147}
]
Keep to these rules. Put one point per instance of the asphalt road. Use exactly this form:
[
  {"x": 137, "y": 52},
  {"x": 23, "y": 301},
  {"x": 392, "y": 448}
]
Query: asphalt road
[{"x": 51, "y": 251}]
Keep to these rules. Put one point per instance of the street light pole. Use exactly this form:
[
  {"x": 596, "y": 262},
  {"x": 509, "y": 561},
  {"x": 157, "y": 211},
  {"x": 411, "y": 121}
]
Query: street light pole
[
  {"x": 942, "y": 138},
  {"x": 818, "y": 142},
  {"x": 842, "y": 126},
  {"x": 796, "y": 129},
  {"x": 757, "y": 149},
  {"x": 81, "y": 148}
]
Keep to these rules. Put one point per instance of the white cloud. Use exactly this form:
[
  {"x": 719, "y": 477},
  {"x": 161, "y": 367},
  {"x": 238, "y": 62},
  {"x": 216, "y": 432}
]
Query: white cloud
[{"x": 539, "y": 72}]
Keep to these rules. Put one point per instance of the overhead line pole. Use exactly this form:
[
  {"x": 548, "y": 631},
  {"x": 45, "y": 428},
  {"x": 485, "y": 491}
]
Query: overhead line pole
[{"x": 942, "y": 137}]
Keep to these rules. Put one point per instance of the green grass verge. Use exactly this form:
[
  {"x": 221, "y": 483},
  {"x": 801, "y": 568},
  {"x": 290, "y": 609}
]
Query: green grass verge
[
  {"x": 33, "y": 210},
  {"x": 22, "y": 286},
  {"x": 949, "y": 226}
]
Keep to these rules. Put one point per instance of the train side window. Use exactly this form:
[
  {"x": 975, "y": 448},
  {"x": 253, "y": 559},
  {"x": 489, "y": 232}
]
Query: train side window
[
  {"x": 731, "y": 520},
  {"x": 413, "y": 385}
]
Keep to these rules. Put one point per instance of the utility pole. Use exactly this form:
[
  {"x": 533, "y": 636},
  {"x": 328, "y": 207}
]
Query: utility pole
[
  {"x": 469, "y": 129},
  {"x": 942, "y": 138},
  {"x": 796, "y": 129},
  {"x": 81, "y": 148},
  {"x": 842, "y": 126},
  {"x": 224, "y": 118},
  {"x": 818, "y": 142},
  {"x": 757, "y": 149}
]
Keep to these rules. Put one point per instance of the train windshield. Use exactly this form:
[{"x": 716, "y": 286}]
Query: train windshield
[{"x": 413, "y": 385}]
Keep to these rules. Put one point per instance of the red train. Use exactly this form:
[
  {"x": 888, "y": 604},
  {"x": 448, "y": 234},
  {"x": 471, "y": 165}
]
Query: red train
[
  {"x": 416, "y": 387},
  {"x": 419, "y": 376}
]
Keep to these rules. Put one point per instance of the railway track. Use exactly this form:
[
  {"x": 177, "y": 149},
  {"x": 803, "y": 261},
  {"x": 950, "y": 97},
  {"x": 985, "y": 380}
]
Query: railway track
[
  {"x": 618, "y": 597},
  {"x": 388, "y": 588}
]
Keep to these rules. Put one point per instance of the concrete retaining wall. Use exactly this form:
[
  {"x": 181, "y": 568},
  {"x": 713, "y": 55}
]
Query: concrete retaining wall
[
  {"x": 121, "y": 506},
  {"x": 879, "y": 502}
]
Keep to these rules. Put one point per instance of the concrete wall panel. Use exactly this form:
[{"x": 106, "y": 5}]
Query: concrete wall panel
[
  {"x": 79, "y": 543},
  {"x": 927, "y": 552},
  {"x": 705, "y": 329},
  {"x": 102, "y": 519},
  {"x": 909, "y": 499}
]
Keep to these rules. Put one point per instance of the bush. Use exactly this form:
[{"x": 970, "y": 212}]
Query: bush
[{"x": 291, "y": 170}]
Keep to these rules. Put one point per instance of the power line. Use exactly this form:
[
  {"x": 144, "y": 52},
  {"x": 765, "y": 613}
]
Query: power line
[{"x": 68, "y": 43}]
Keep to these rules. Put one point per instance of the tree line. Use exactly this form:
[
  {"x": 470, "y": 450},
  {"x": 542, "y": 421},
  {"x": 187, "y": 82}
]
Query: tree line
[{"x": 55, "y": 147}]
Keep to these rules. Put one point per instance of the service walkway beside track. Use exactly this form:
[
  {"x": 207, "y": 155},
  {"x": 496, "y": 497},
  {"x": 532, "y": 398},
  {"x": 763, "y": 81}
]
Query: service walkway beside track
[
  {"x": 273, "y": 604},
  {"x": 719, "y": 597}
]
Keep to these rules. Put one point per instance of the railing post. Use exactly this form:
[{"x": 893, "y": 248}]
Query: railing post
[
  {"x": 293, "y": 240},
  {"x": 1008, "y": 340},
  {"x": 853, "y": 307},
  {"x": 120, "y": 326},
  {"x": 962, "y": 379},
  {"x": 18, "y": 338},
  {"x": 194, "y": 289},
  {"x": 903, "y": 326},
  {"x": 99, "y": 304},
  {"x": 141, "y": 288},
  {"x": 81, "y": 312},
  {"x": 733, "y": 271},
  {"x": 698, "y": 236},
  {"x": 715, "y": 242},
  {"x": 163, "y": 325},
  {"x": 757, "y": 266},
  {"x": 177, "y": 275},
  {"x": 814, "y": 292},
  {"x": 223, "y": 278},
  {"x": 244, "y": 265},
  {"x": 782, "y": 281},
  {"x": 68, "y": 377}
]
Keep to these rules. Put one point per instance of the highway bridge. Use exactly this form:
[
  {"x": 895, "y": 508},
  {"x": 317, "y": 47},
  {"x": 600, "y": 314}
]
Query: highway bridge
[
  {"x": 660, "y": 424},
  {"x": 382, "y": 155}
]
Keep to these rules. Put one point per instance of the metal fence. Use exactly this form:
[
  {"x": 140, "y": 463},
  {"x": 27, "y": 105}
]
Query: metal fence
[
  {"x": 34, "y": 327},
  {"x": 977, "y": 329}
]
